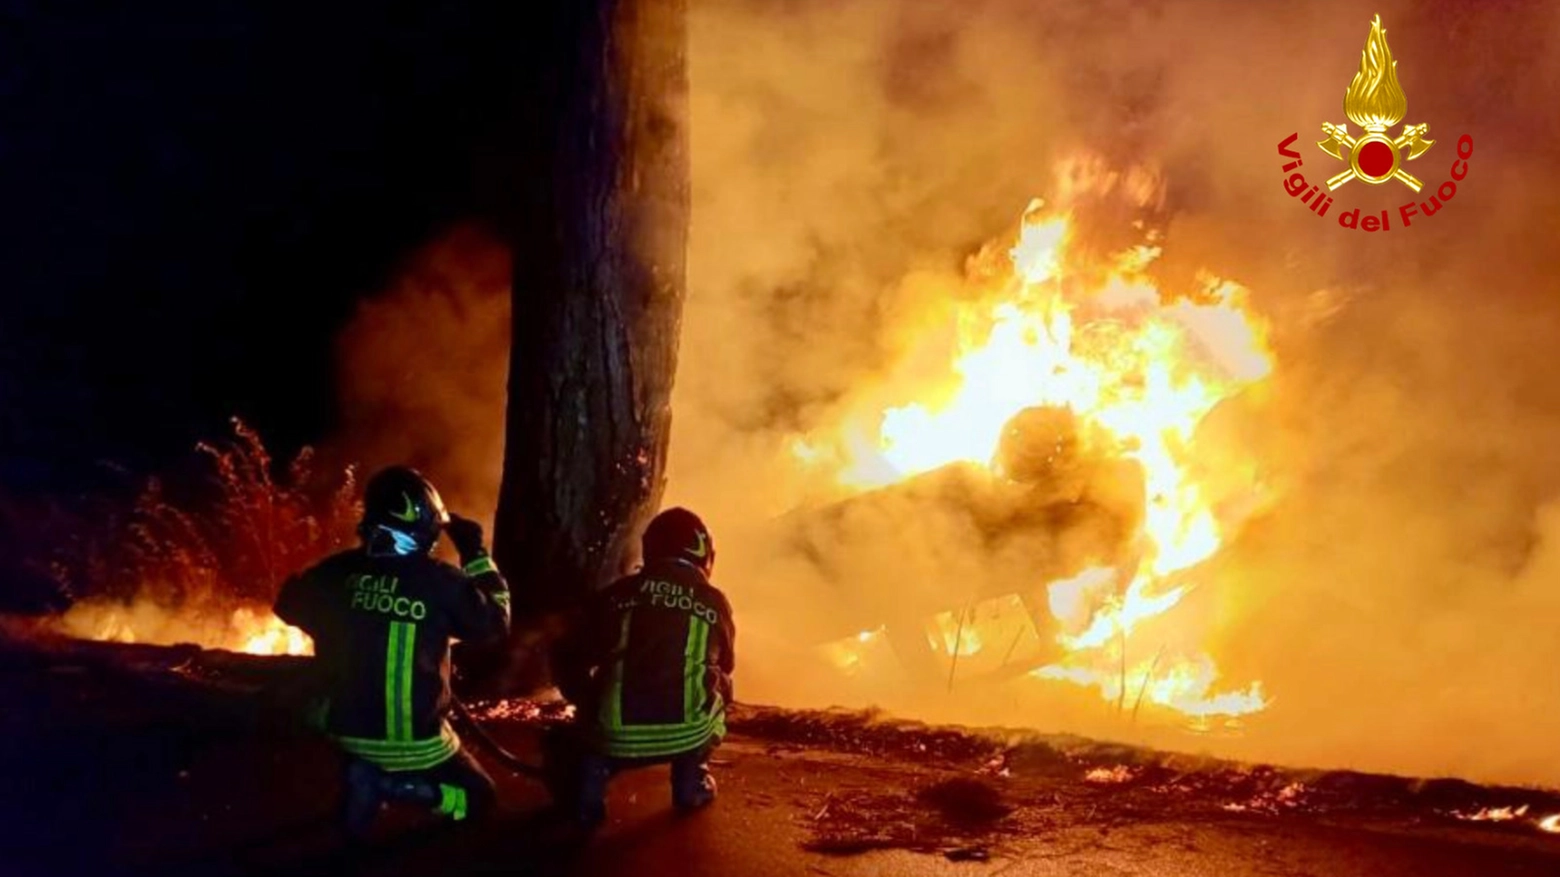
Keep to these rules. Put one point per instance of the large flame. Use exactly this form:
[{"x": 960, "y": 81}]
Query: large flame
[
  {"x": 1374, "y": 100},
  {"x": 1145, "y": 370},
  {"x": 252, "y": 630},
  {"x": 262, "y": 633}
]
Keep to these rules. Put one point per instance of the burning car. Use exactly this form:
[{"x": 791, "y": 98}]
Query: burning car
[
  {"x": 1057, "y": 471},
  {"x": 1059, "y": 499}
]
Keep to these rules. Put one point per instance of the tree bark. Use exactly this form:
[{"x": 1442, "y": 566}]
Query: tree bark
[{"x": 599, "y": 244}]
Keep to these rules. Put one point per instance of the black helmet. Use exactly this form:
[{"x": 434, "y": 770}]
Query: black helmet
[
  {"x": 678, "y": 534},
  {"x": 400, "y": 500}
]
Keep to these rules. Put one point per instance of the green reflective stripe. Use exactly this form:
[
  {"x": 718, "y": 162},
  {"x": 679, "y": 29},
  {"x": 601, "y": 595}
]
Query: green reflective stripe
[
  {"x": 694, "y": 654},
  {"x": 683, "y": 741},
  {"x": 688, "y": 742},
  {"x": 704, "y": 664},
  {"x": 658, "y": 733},
  {"x": 446, "y": 736},
  {"x": 614, "y": 717},
  {"x": 481, "y": 565},
  {"x": 396, "y": 748},
  {"x": 404, "y": 765},
  {"x": 452, "y": 801},
  {"x": 392, "y": 662},
  {"x": 395, "y": 755},
  {"x": 655, "y": 740},
  {"x": 399, "y": 649},
  {"x": 409, "y": 641}
]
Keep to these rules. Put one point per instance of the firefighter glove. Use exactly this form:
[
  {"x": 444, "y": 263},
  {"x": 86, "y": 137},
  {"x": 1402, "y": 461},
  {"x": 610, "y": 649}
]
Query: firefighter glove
[{"x": 466, "y": 535}]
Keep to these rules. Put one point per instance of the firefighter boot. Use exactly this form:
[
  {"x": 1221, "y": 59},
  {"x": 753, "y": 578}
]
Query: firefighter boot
[
  {"x": 590, "y": 800},
  {"x": 693, "y": 786}
]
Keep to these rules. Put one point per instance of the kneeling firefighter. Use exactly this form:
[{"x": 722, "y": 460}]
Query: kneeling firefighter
[
  {"x": 649, "y": 671},
  {"x": 382, "y": 617}
]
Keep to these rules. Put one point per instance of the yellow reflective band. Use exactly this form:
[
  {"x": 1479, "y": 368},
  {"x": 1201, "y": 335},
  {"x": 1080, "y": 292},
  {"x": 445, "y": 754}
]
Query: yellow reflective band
[
  {"x": 483, "y": 564},
  {"x": 653, "y": 748},
  {"x": 396, "y": 748},
  {"x": 406, "y": 765},
  {"x": 452, "y": 801},
  {"x": 396, "y": 755},
  {"x": 644, "y": 741},
  {"x": 662, "y": 733}
]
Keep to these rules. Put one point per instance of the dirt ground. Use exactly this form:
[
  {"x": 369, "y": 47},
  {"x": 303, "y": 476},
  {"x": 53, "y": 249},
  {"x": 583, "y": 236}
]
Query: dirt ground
[{"x": 172, "y": 761}]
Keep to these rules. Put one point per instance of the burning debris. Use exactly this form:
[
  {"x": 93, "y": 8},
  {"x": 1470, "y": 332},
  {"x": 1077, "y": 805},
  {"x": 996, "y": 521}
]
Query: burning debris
[
  {"x": 1508, "y": 814},
  {"x": 523, "y": 711},
  {"x": 1109, "y": 776},
  {"x": 1290, "y": 797},
  {"x": 252, "y": 630},
  {"x": 1064, "y": 423},
  {"x": 1117, "y": 781},
  {"x": 1492, "y": 814},
  {"x": 199, "y": 561}
]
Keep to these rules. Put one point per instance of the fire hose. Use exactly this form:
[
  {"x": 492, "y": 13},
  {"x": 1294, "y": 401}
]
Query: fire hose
[{"x": 505, "y": 757}]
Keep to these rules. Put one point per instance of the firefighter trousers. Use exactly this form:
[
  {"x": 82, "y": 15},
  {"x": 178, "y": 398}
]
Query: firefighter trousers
[{"x": 459, "y": 789}]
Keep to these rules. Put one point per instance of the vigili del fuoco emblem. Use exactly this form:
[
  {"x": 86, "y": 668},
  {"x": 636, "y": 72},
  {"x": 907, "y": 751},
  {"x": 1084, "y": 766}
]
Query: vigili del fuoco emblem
[{"x": 1375, "y": 102}]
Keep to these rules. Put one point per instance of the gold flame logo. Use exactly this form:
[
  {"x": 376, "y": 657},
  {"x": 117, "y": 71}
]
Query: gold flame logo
[{"x": 1375, "y": 102}]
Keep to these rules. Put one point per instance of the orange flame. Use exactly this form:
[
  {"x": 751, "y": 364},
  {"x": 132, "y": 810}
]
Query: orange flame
[
  {"x": 265, "y": 634},
  {"x": 1142, "y": 371},
  {"x": 252, "y": 630},
  {"x": 1493, "y": 814}
]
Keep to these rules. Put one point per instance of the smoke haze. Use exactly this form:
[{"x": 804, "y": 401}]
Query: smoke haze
[{"x": 1401, "y": 602}]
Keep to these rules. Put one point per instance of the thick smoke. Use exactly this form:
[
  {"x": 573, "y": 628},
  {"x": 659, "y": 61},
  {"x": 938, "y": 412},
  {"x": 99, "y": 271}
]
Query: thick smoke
[
  {"x": 1399, "y": 601},
  {"x": 423, "y": 370}
]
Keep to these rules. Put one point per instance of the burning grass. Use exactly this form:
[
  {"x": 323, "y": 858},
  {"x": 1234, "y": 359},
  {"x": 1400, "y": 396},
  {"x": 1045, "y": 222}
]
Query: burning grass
[
  {"x": 199, "y": 561},
  {"x": 1111, "y": 780}
]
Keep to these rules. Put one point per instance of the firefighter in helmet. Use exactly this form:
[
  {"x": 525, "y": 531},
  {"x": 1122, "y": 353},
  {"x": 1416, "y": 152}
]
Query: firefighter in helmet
[
  {"x": 649, "y": 670},
  {"x": 382, "y": 617}
]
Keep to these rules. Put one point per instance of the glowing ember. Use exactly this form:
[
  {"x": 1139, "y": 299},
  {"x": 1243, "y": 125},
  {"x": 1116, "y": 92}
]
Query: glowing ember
[
  {"x": 1549, "y": 824},
  {"x": 517, "y": 710},
  {"x": 1109, "y": 775},
  {"x": 1493, "y": 814},
  {"x": 1140, "y": 372},
  {"x": 1290, "y": 797}
]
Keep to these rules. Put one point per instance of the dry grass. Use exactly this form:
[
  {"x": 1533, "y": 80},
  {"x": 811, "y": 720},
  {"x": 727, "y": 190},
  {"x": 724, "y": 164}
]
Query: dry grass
[{"x": 228, "y": 532}]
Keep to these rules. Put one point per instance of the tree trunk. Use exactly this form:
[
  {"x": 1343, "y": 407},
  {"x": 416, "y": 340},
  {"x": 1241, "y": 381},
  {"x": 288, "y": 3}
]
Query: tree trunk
[{"x": 599, "y": 255}]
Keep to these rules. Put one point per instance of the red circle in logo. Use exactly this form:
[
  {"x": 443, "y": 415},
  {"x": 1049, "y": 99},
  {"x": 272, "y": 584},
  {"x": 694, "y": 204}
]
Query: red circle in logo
[{"x": 1375, "y": 159}]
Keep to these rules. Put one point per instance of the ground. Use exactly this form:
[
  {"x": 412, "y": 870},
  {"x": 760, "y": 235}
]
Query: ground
[{"x": 175, "y": 761}]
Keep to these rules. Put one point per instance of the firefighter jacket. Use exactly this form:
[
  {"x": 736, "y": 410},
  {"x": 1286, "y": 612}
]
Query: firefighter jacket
[
  {"x": 658, "y": 648},
  {"x": 382, "y": 627}
]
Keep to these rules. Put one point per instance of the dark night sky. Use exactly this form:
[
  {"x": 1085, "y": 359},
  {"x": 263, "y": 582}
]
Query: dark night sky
[{"x": 194, "y": 194}]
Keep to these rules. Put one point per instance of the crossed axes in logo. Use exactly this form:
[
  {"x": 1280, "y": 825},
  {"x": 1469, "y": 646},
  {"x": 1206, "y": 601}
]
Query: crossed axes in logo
[{"x": 1339, "y": 139}]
